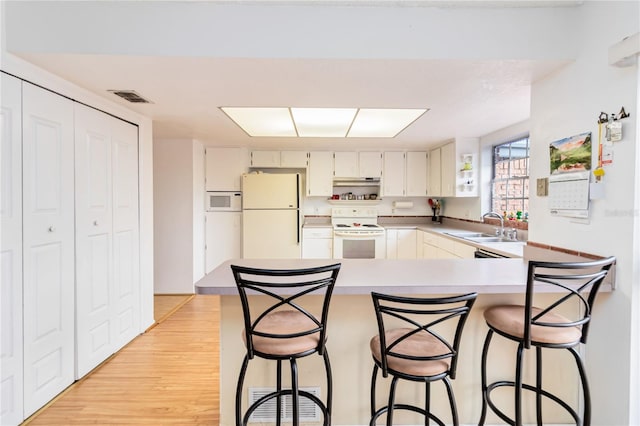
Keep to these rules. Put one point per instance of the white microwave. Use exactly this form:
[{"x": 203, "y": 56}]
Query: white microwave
[{"x": 224, "y": 201}]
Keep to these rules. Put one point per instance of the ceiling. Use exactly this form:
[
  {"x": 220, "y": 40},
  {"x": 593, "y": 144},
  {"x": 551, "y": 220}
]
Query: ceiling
[{"x": 465, "y": 97}]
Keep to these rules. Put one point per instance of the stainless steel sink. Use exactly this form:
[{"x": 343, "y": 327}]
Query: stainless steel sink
[
  {"x": 491, "y": 239},
  {"x": 480, "y": 237},
  {"x": 468, "y": 235}
]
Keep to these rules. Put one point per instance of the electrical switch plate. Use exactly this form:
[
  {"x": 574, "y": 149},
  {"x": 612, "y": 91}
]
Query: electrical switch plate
[{"x": 542, "y": 187}]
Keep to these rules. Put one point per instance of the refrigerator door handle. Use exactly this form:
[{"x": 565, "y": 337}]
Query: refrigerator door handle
[{"x": 298, "y": 205}]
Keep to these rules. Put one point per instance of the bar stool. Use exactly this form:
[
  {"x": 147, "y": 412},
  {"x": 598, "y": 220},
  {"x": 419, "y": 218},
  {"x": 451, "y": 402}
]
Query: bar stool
[
  {"x": 285, "y": 330},
  {"x": 544, "y": 327},
  {"x": 411, "y": 344}
]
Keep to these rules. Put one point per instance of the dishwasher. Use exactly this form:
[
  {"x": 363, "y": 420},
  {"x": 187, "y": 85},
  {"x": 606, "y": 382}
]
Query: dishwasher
[{"x": 486, "y": 254}]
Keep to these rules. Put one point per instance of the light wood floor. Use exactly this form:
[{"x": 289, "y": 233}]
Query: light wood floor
[
  {"x": 166, "y": 304},
  {"x": 169, "y": 375}
]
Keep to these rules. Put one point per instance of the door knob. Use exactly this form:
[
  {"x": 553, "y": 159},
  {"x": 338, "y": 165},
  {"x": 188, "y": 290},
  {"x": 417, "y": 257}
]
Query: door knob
[{"x": 52, "y": 229}]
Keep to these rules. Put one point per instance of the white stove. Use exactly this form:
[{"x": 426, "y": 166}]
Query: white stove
[
  {"x": 356, "y": 233},
  {"x": 355, "y": 219}
]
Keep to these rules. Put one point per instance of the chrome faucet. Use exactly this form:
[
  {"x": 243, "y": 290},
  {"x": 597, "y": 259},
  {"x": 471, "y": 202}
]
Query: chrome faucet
[{"x": 497, "y": 215}]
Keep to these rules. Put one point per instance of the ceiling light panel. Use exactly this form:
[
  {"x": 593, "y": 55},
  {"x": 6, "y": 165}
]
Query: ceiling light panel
[
  {"x": 262, "y": 121},
  {"x": 383, "y": 123},
  {"x": 323, "y": 122}
]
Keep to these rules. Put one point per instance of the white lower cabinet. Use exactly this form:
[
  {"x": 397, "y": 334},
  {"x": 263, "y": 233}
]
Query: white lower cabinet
[
  {"x": 317, "y": 243},
  {"x": 437, "y": 247},
  {"x": 223, "y": 238},
  {"x": 401, "y": 243}
]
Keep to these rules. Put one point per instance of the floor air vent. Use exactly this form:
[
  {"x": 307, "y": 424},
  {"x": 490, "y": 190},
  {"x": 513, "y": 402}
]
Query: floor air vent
[
  {"x": 309, "y": 412},
  {"x": 131, "y": 96}
]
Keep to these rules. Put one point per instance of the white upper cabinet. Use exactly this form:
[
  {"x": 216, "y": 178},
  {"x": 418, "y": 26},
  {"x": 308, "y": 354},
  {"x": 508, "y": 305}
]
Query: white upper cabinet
[
  {"x": 320, "y": 174},
  {"x": 416, "y": 174},
  {"x": 393, "y": 176},
  {"x": 223, "y": 168},
  {"x": 448, "y": 170},
  {"x": 293, "y": 159},
  {"x": 279, "y": 159},
  {"x": 370, "y": 164},
  {"x": 434, "y": 173},
  {"x": 265, "y": 159},
  {"x": 345, "y": 164},
  {"x": 456, "y": 171}
]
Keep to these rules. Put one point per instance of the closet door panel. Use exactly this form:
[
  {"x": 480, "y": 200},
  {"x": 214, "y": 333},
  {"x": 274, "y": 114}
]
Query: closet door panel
[
  {"x": 11, "y": 252},
  {"x": 48, "y": 245},
  {"x": 126, "y": 231},
  {"x": 94, "y": 288}
]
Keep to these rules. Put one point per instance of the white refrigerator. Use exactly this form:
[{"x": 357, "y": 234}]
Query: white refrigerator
[{"x": 271, "y": 216}]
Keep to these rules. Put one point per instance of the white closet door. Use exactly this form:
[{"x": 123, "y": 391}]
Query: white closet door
[
  {"x": 95, "y": 329},
  {"x": 11, "y": 252},
  {"x": 48, "y": 245},
  {"x": 126, "y": 240}
]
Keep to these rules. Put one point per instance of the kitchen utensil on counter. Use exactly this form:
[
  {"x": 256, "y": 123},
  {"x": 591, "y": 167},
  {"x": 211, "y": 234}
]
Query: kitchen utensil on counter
[{"x": 435, "y": 206}]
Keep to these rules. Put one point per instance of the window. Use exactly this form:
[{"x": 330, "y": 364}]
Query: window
[{"x": 510, "y": 183}]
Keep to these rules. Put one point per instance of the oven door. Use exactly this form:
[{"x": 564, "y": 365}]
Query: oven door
[{"x": 359, "y": 245}]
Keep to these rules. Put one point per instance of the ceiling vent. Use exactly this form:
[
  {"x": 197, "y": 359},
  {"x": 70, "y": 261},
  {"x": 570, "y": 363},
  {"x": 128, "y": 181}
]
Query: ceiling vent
[{"x": 130, "y": 96}]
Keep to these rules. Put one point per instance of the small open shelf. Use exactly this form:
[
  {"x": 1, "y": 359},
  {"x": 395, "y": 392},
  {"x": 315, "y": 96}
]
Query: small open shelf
[{"x": 354, "y": 202}]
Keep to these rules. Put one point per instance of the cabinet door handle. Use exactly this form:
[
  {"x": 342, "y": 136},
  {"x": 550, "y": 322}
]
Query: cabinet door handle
[
  {"x": 95, "y": 223},
  {"x": 52, "y": 228}
]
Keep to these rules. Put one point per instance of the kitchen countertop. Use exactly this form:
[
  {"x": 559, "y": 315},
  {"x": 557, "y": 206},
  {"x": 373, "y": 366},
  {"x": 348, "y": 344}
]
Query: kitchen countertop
[
  {"x": 509, "y": 249},
  {"x": 407, "y": 276}
]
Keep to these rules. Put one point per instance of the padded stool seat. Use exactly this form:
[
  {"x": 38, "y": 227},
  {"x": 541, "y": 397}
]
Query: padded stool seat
[
  {"x": 421, "y": 344},
  {"x": 576, "y": 285},
  {"x": 285, "y": 323},
  {"x": 509, "y": 320}
]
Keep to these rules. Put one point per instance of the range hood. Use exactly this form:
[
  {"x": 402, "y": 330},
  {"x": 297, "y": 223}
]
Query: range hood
[{"x": 364, "y": 181}]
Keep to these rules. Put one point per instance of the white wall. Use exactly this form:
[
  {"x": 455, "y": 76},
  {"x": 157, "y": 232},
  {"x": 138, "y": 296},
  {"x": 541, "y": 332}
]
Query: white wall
[
  {"x": 634, "y": 373},
  {"x": 178, "y": 165},
  {"x": 173, "y": 210},
  {"x": 198, "y": 197},
  {"x": 568, "y": 103}
]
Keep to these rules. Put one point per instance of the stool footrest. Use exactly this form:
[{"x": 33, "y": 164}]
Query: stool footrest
[
  {"x": 413, "y": 408},
  {"x": 525, "y": 386}
]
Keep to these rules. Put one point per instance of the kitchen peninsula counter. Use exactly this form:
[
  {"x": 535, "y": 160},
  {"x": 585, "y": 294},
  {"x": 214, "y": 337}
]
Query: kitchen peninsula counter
[
  {"x": 407, "y": 276},
  {"x": 352, "y": 323}
]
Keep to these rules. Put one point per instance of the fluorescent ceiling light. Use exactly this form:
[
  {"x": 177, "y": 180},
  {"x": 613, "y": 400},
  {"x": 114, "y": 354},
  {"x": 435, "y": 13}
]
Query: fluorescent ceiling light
[
  {"x": 263, "y": 121},
  {"x": 383, "y": 123},
  {"x": 323, "y": 122}
]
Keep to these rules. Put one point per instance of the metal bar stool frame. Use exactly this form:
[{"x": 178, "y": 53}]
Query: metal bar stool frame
[
  {"x": 285, "y": 287},
  {"x": 408, "y": 310},
  {"x": 588, "y": 277}
]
